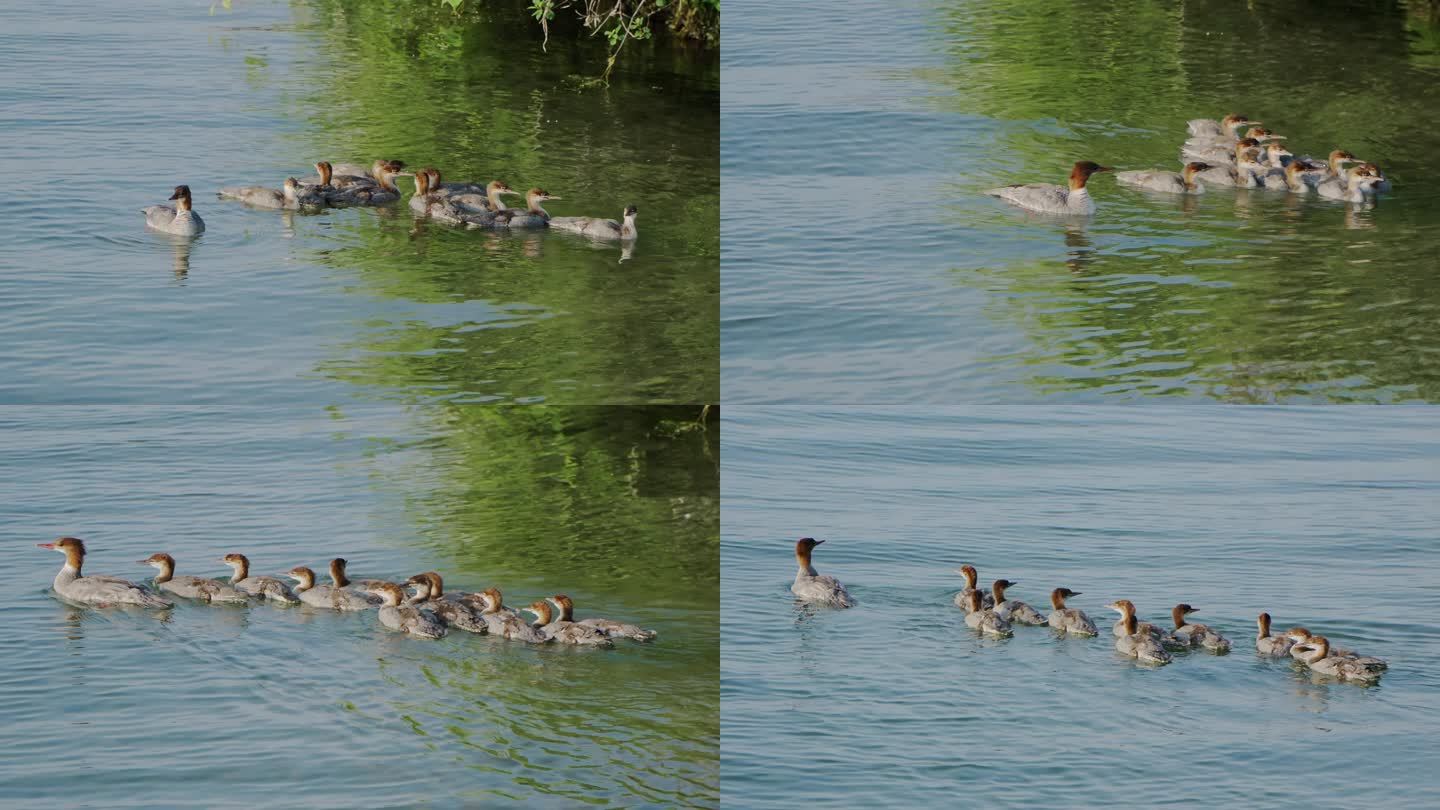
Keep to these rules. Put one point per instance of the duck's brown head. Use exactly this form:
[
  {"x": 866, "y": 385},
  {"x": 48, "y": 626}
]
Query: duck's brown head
[{"x": 1081, "y": 171}]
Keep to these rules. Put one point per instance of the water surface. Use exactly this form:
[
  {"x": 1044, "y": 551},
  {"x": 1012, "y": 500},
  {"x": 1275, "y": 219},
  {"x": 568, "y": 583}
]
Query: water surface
[
  {"x": 273, "y": 307},
  {"x": 1324, "y": 517},
  {"x": 510, "y": 409},
  {"x": 225, "y": 706},
  {"x": 863, "y": 262}
]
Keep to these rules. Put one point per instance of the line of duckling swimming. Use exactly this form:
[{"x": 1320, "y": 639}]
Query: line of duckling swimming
[
  {"x": 1217, "y": 154},
  {"x": 991, "y": 612},
  {"x": 429, "y": 612},
  {"x": 470, "y": 205}
]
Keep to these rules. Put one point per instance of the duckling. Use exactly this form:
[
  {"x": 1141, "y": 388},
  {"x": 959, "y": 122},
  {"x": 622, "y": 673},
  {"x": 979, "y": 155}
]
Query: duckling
[
  {"x": 533, "y": 216},
  {"x": 1013, "y": 609},
  {"x": 1196, "y": 635}
]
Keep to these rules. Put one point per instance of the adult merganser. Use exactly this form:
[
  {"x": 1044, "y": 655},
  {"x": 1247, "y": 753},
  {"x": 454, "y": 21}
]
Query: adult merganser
[
  {"x": 986, "y": 620},
  {"x": 328, "y": 596},
  {"x": 1134, "y": 641},
  {"x": 1196, "y": 635},
  {"x": 816, "y": 588},
  {"x": 1047, "y": 198},
  {"x": 202, "y": 588},
  {"x": 430, "y": 594},
  {"x": 1069, "y": 620},
  {"x": 268, "y": 587},
  {"x": 405, "y": 618},
  {"x": 178, "y": 220},
  {"x": 97, "y": 589},
  {"x": 1315, "y": 653},
  {"x": 1013, "y": 609},
  {"x": 564, "y": 632},
  {"x": 1169, "y": 182},
  {"x": 609, "y": 627},
  {"x": 1266, "y": 644},
  {"x": 598, "y": 228},
  {"x": 503, "y": 621},
  {"x": 962, "y": 599}
]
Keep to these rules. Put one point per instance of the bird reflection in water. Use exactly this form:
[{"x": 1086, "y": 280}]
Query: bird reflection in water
[{"x": 1079, "y": 250}]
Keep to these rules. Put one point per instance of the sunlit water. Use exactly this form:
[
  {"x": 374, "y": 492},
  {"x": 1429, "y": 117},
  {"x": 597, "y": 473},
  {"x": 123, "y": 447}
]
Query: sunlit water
[
  {"x": 863, "y": 262},
  {"x": 109, "y": 108},
  {"x": 222, "y": 706},
  {"x": 353, "y": 383},
  {"x": 1324, "y": 517}
]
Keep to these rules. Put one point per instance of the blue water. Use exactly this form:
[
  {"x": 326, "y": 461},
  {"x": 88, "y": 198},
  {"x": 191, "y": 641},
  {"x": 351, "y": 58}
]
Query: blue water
[
  {"x": 1322, "y": 517},
  {"x": 359, "y": 384}
]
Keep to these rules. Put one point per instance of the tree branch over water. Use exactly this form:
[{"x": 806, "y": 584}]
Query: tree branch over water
[{"x": 624, "y": 21}]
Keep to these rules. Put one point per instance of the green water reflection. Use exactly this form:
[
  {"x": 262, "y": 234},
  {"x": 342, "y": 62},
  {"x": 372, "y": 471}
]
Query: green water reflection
[
  {"x": 1252, "y": 296},
  {"x": 480, "y": 100}
]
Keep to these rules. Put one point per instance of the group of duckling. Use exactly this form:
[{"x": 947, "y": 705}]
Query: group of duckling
[
  {"x": 470, "y": 205},
  {"x": 993, "y": 613},
  {"x": 426, "y": 611},
  {"x": 1218, "y": 154}
]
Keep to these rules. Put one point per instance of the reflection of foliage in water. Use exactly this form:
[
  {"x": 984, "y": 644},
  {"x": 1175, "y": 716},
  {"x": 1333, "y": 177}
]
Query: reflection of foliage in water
[
  {"x": 472, "y": 97},
  {"x": 1242, "y": 296},
  {"x": 616, "y": 506},
  {"x": 610, "y": 499}
]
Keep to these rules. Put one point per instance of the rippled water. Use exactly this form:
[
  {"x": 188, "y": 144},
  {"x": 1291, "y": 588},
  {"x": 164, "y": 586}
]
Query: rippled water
[
  {"x": 107, "y": 115},
  {"x": 354, "y": 383},
  {"x": 1320, "y": 516},
  {"x": 863, "y": 262},
  {"x": 234, "y": 706}
]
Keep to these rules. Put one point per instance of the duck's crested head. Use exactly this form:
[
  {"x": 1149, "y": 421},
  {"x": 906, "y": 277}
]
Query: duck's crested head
[
  {"x": 806, "y": 544},
  {"x": 538, "y": 194},
  {"x": 1122, "y": 606},
  {"x": 302, "y": 574},
  {"x": 631, "y": 211},
  {"x": 1085, "y": 168},
  {"x": 181, "y": 193},
  {"x": 69, "y": 545},
  {"x": 388, "y": 591},
  {"x": 499, "y": 187},
  {"x": 541, "y": 610},
  {"x": 159, "y": 560},
  {"x": 1236, "y": 119},
  {"x": 423, "y": 182},
  {"x": 492, "y": 598},
  {"x": 235, "y": 559}
]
